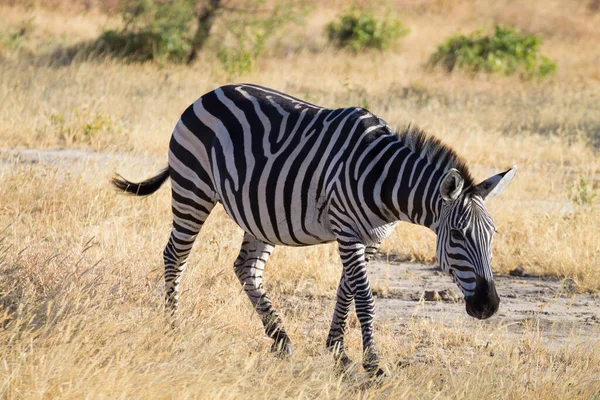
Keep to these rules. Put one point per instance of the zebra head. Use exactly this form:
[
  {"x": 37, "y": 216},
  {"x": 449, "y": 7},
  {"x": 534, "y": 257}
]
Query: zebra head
[{"x": 464, "y": 243}]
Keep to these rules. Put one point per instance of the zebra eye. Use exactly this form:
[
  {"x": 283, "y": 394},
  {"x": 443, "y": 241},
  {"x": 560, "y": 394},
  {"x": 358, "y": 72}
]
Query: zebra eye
[{"x": 456, "y": 235}]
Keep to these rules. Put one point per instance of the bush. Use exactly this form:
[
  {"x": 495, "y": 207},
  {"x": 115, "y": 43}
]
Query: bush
[
  {"x": 244, "y": 35},
  {"x": 507, "y": 51},
  {"x": 85, "y": 127},
  {"x": 13, "y": 40},
  {"x": 583, "y": 193},
  {"x": 357, "y": 31},
  {"x": 247, "y": 37},
  {"x": 163, "y": 30},
  {"x": 153, "y": 30}
]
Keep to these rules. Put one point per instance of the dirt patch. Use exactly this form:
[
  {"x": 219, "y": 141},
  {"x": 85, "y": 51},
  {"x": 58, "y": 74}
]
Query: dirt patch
[
  {"x": 74, "y": 160},
  {"x": 405, "y": 291}
]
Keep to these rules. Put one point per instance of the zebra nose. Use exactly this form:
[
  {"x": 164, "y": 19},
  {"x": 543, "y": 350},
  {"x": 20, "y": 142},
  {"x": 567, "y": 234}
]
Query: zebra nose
[{"x": 485, "y": 302}]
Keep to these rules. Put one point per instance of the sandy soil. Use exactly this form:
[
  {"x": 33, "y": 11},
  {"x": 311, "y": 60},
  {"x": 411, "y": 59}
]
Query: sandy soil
[
  {"x": 74, "y": 160},
  {"x": 560, "y": 314}
]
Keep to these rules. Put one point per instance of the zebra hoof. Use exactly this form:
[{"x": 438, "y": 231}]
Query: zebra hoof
[
  {"x": 343, "y": 363},
  {"x": 378, "y": 374},
  {"x": 173, "y": 323},
  {"x": 346, "y": 368},
  {"x": 282, "y": 348},
  {"x": 376, "y": 379}
]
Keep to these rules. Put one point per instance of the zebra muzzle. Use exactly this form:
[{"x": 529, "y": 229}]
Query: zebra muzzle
[{"x": 485, "y": 302}]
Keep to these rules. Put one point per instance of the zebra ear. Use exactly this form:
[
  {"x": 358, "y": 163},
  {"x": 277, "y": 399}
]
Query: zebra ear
[
  {"x": 496, "y": 184},
  {"x": 452, "y": 185}
]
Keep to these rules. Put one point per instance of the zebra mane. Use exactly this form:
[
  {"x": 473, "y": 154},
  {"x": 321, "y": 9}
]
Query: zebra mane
[{"x": 436, "y": 151}]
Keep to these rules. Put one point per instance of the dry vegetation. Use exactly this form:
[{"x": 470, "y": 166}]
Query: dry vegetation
[{"x": 80, "y": 267}]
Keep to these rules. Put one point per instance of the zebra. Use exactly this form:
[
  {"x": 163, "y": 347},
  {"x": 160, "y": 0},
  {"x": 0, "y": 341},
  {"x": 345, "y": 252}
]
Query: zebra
[{"x": 292, "y": 173}]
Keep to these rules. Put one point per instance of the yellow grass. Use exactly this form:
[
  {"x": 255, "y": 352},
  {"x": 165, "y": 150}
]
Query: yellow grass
[
  {"x": 81, "y": 284},
  {"x": 82, "y": 280}
]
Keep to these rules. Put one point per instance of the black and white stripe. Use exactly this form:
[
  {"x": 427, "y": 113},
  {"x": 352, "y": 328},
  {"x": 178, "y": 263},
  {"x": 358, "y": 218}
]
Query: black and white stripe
[{"x": 292, "y": 173}]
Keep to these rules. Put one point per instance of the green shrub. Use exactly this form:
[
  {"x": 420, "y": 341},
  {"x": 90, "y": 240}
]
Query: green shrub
[
  {"x": 243, "y": 36},
  {"x": 583, "y": 193},
  {"x": 152, "y": 30},
  {"x": 14, "y": 39},
  {"x": 176, "y": 30},
  {"x": 248, "y": 36},
  {"x": 506, "y": 51},
  {"x": 85, "y": 126},
  {"x": 236, "y": 60},
  {"x": 356, "y": 31}
]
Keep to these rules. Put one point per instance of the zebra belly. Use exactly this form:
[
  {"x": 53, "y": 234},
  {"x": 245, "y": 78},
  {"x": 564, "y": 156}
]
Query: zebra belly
[{"x": 277, "y": 226}]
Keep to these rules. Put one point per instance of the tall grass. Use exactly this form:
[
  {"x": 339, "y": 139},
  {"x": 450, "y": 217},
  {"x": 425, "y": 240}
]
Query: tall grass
[
  {"x": 80, "y": 267},
  {"x": 82, "y": 314}
]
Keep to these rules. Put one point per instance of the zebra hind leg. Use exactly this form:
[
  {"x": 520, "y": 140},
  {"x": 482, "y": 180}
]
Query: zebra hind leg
[
  {"x": 186, "y": 226},
  {"x": 249, "y": 267}
]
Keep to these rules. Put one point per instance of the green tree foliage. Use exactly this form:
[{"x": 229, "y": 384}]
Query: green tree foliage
[
  {"x": 246, "y": 33},
  {"x": 152, "y": 30},
  {"x": 356, "y": 30},
  {"x": 506, "y": 51},
  {"x": 176, "y": 30}
]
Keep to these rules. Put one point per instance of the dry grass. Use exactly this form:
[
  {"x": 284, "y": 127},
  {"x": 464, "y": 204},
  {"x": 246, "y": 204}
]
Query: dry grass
[
  {"x": 82, "y": 290},
  {"x": 80, "y": 278}
]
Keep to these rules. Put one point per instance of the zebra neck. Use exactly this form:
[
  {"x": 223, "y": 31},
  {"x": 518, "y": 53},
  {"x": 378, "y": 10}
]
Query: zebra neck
[{"x": 411, "y": 188}]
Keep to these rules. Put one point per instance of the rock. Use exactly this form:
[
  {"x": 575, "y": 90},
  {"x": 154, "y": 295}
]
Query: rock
[
  {"x": 431, "y": 295},
  {"x": 569, "y": 286},
  {"x": 446, "y": 295},
  {"x": 449, "y": 296},
  {"x": 519, "y": 271}
]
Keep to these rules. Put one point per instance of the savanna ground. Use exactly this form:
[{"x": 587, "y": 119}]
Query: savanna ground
[{"x": 81, "y": 266}]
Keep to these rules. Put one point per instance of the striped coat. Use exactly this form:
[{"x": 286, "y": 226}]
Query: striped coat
[{"x": 292, "y": 173}]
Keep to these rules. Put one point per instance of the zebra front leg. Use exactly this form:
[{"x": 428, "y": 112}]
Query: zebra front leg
[
  {"x": 335, "y": 339},
  {"x": 249, "y": 267},
  {"x": 353, "y": 255}
]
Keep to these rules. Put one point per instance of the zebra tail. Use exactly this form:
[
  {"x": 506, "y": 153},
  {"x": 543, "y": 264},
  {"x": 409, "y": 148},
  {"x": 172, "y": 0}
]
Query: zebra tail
[{"x": 143, "y": 188}]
